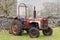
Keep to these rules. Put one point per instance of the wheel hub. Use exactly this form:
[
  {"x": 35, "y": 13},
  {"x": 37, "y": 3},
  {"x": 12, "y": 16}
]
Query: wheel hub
[{"x": 14, "y": 28}]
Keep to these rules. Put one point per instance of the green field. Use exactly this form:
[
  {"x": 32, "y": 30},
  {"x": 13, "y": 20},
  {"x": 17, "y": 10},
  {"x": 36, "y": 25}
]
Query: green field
[{"x": 55, "y": 36}]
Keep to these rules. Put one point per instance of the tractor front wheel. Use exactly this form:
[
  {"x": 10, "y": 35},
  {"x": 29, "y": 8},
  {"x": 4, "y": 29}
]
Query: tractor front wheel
[
  {"x": 47, "y": 32},
  {"x": 34, "y": 32}
]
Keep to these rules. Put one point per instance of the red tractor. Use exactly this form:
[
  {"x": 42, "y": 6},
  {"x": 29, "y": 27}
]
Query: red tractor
[{"x": 30, "y": 24}]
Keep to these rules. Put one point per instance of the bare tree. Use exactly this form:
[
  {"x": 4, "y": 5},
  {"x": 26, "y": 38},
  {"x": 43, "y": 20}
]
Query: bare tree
[{"x": 7, "y": 6}]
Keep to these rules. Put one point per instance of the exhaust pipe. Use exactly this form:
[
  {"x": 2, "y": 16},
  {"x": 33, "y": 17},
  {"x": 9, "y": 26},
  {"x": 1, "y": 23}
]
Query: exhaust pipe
[{"x": 34, "y": 13}]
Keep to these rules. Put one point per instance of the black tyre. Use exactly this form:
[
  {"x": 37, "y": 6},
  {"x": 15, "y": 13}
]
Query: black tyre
[
  {"x": 47, "y": 32},
  {"x": 16, "y": 28},
  {"x": 10, "y": 31},
  {"x": 34, "y": 32}
]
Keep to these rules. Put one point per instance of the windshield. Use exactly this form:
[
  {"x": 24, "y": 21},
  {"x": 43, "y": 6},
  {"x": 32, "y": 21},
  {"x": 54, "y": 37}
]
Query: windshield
[{"x": 22, "y": 12}]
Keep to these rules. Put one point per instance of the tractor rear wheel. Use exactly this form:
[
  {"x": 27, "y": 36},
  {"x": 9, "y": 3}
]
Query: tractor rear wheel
[
  {"x": 47, "y": 32},
  {"x": 34, "y": 32},
  {"x": 16, "y": 28}
]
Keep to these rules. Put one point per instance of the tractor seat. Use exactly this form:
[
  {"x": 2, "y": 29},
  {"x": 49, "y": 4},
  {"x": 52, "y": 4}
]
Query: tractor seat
[{"x": 23, "y": 19}]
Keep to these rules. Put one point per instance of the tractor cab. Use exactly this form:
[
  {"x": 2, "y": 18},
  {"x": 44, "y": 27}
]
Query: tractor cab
[{"x": 22, "y": 12}]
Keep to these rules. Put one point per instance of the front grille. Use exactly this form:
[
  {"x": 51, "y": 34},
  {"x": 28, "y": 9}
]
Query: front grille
[{"x": 44, "y": 23}]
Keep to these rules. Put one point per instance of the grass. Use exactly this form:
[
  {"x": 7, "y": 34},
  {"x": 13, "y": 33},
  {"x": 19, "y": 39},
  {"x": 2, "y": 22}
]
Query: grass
[{"x": 55, "y": 36}]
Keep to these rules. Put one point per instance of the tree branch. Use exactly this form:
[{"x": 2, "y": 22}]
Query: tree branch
[
  {"x": 10, "y": 4},
  {"x": 1, "y": 6}
]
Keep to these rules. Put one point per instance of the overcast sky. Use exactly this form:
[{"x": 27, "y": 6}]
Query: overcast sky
[{"x": 37, "y": 3}]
